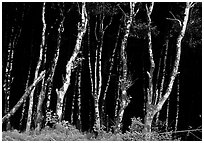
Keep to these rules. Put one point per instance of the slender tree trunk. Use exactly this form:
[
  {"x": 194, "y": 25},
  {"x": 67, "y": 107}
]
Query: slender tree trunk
[
  {"x": 24, "y": 102},
  {"x": 25, "y": 95},
  {"x": 153, "y": 109},
  {"x": 163, "y": 74},
  {"x": 125, "y": 99},
  {"x": 117, "y": 100},
  {"x": 28, "y": 125},
  {"x": 178, "y": 54},
  {"x": 90, "y": 73},
  {"x": 177, "y": 102},
  {"x": 98, "y": 74},
  {"x": 95, "y": 95},
  {"x": 70, "y": 64},
  {"x": 49, "y": 81},
  {"x": 8, "y": 79},
  {"x": 74, "y": 96},
  {"x": 79, "y": 123},
  {"x": 103, "y": 114},
  {"x": 167, "y": 114}
]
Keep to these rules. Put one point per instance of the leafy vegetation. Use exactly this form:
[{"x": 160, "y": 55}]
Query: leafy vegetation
[{"x": 64, "y": 131}]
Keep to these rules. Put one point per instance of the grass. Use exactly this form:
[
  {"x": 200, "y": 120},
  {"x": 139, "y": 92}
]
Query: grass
[{"x": 67, "y": 132}]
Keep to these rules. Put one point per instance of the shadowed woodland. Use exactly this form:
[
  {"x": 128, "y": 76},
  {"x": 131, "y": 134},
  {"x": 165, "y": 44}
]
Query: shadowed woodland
[{"x": 111, "y": 67}]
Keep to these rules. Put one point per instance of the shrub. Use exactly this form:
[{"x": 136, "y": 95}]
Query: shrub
[{"x": 135, "y": 132}]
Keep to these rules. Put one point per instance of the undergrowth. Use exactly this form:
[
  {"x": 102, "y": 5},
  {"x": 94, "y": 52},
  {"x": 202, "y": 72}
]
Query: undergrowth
[{"x": 65, "y": 132}]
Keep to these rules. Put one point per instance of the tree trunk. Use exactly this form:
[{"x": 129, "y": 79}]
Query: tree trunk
[
  {"x": 153, "y": 109},
  {"x": 124, "y": 82},
  {"x": 28, "y": 125},
  {"x": 90, "y": 73},
  {"x": 49, "y": 81},
  {"x": 25, "y": 95},
  {"x": 150, "y": 112},
  {"x": 177, "y": 102},
  {"x": 167, "y": 114},
  {"x": 8, "y": 79},
  {"x": 70, "y": 64},
  {"x": 163, "y": 74},
  {"x": 79, "y": 123},
  {"x": 24, "y": 102},
  {"x": 178, "y": 54}
]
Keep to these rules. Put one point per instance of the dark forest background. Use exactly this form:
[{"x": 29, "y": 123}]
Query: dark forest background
[{"x": 28, "y": 17}]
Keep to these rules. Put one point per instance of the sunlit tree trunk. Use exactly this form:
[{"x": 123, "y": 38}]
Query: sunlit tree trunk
[
  {"x": 97, "y": 67},
  {"x": 163, "y": 74},
  {"x": 152, "y": 109},
  {"x": 41, "y": 97},
  {"x": 90, "y": 72},
  {"x": 24, "y": 102},
  {"x": 8, "y": 79},
  {"x": 177, "y": 102},
  {"x": 167, "y": 113},
  {"x": 124, "y": 81},
  {"x": 74, "y": 97},
  {"x": 28, "y": 125},
  {"x": 49, "y": 81},
  {"x": 117, "y": 98},
  {"x": 79, "y": 123},
  {"x": 70, "y": 64},
  {"x": 103, "y": 106},
  {"x": 25, "y": 95}
]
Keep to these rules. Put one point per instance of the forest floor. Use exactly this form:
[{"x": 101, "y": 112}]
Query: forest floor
[{"x": 70, "y": 133}]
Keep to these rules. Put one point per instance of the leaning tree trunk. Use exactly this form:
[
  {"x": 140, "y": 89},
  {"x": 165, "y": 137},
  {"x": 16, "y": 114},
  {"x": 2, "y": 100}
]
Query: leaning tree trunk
[
  {"x": 28, "y": 125},
  {"x": 70, "y": 64},
  {"x": 153, "y": 109},
  {"x": 160, "y": 91},
  {"x": 124, "y": 83},
  {"x": 23, "y": 98}
]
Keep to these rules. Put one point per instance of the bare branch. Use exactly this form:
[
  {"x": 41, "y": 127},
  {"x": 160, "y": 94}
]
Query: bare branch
[
  {"x": 108, "y": 24},
  {"x": 193, "y": 4},
  {"x": 95, "y": 29},
  {"x": 122, "y": 10},
  {"x": 174, "y": 19}
]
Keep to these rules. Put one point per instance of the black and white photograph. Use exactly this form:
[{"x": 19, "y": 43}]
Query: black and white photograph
[{"x": 101, "y": 71}]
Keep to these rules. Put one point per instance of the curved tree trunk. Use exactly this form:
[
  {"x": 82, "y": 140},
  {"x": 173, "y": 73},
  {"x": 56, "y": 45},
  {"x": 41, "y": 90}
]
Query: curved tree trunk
[
  {"x": 70, "y": 64},
  {"x": 124, "y": 81}
]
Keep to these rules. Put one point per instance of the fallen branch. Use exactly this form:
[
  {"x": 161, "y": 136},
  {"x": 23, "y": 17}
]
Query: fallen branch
[
  {"x": 183, "y": 131},
  {"x": 25, "y": 95}
]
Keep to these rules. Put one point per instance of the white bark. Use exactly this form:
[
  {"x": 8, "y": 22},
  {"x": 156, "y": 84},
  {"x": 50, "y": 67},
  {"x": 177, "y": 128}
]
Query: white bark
[
  {"x": 177, "y": 60},
  {"x": 70, "y": 64},
  {"x": 37, "y": 70},
  {"x": 123, "y": 85}
]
